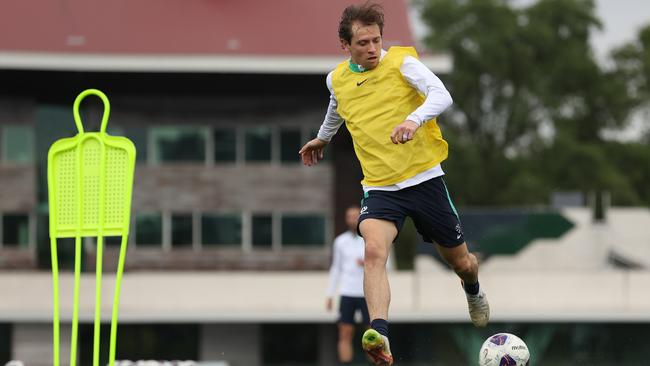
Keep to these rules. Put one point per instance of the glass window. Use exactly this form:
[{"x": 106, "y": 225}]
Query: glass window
[
  {"x": 303, "y": 230},
  {"x": 290, "y": 344},
  {"x": 173, "y": 144},
  {"x": 221, "y": 229},
  {"x": 142, "y": 342},
  {"x": 138, "y": 135},
  {"x": 113, "y": 241},
  {"x": 313, "y": 133},
  {"x": 262, "y": 230},
  {"x": 5, "y": 342},
  {"x": 18, "y": 144},
  {"x": 225, "y": 145},
  {"x": 290, "y": 143},
  {"x": 15, "y": 230},
  {"x": 114, "y": 130},
  {"x": 182, "y": 230},
  {"x": 258, "y": 144},
  {"x": 148, "y": 229},
  {"x": 65, "y": 247}
]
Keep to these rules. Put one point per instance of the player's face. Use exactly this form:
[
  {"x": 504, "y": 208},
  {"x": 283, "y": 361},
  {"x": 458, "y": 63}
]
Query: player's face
[
  {"x": 352, "y": 218},
  {"x": 365, "y": 45}
]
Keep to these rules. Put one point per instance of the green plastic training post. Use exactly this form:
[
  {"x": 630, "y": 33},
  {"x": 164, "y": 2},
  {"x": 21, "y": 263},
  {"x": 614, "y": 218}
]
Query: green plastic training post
[{"x": 90, "y": 181}]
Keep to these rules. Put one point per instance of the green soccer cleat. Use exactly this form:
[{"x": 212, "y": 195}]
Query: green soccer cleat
[{"x": 377, "y": 348}]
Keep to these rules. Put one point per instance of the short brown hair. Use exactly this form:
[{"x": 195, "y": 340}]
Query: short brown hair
[{"x": 368, "y": 14}]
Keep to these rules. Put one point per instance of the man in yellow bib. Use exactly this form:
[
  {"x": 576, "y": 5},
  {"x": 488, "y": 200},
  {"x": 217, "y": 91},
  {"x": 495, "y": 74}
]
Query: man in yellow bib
[{"x": 389, "y": 101}]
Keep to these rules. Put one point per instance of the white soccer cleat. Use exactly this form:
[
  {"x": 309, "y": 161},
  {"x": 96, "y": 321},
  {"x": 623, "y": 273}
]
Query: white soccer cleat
[{"x": 479, "y": 308}]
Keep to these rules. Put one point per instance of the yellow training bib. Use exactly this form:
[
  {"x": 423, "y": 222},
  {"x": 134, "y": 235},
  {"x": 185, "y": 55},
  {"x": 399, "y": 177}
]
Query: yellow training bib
[{"x": 373, "y": 103}]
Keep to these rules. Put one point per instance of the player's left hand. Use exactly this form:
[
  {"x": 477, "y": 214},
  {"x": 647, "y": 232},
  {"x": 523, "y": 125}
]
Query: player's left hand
[{"x": 404, "y": 132}]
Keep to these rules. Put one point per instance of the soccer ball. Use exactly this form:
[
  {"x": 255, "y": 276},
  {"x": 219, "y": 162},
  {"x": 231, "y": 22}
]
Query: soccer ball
[{"x": 503, "y": 349}]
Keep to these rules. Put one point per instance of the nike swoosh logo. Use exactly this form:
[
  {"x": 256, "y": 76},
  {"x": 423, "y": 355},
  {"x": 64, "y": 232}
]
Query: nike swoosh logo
[{"x": 361, "y": 82}]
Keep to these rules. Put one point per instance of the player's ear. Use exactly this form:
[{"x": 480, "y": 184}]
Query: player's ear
[{"x": 345, "y": 45}]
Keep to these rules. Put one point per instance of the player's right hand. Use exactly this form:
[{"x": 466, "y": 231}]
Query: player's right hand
[
  {"x": 404, "y": 132},
  {"x": 312, "y": 152},
  {"x": 328, "y": 304}
]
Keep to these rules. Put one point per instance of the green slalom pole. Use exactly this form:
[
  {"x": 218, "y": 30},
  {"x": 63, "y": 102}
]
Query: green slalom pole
[
  {"x": 116, "y": 299},
  {"x": 98, "y": 302},
  {"x": 55, "y": 302},
  {"x": 75, "y": 302}
]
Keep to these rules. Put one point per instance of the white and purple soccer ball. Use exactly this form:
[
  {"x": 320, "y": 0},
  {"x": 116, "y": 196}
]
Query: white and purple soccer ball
[{"x": 504, "y": 349}]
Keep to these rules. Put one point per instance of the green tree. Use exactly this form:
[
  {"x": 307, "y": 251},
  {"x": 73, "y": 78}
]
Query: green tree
[
  {"x": 632, "y": 64},
  {"x": 582, "y": 98},
  {"x": 526, "y": 86}
]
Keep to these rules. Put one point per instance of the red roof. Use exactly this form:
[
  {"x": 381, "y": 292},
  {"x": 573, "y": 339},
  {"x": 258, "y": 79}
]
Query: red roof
[
  {"x": 234, "y": 27},
  {"x": 182, "y": 35}
]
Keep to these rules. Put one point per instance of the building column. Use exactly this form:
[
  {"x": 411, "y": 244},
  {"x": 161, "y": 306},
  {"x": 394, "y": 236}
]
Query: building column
[
  {"x": 238, "y": 344},
  {"x": 32, "y": 344},
  {"x": 327, "y": 344}
]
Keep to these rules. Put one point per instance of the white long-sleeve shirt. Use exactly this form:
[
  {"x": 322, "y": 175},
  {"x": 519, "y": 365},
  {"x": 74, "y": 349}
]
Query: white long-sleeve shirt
[
  {"x": 437, "y": 100},
  {"x": 346, "y": 271}
]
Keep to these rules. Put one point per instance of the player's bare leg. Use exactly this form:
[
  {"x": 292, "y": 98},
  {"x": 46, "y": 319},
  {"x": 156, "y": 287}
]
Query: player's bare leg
[
  {"x": 344, "y": 346},
  {"x": 378, "y": 236},
  {"x": 461, "y": 261},
  {"x": 465, "y": 265}
]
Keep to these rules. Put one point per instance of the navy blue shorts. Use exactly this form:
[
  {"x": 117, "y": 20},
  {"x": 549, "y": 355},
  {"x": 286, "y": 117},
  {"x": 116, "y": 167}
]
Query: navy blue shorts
[
  {"x": 428, "y": 204},
  {"x": 349, "y": 306}
]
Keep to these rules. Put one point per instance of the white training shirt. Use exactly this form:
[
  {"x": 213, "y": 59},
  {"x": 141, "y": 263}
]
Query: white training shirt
[
  {"x": 437, "y": 100},
  {"x": 346, "y": 271}
]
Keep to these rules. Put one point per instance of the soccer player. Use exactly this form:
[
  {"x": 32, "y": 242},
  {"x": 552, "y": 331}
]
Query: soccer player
[
  {"x": 346, "y": 275},
  {"x": 389, "y": 101}
]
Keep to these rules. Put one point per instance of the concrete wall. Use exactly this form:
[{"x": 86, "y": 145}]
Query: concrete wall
[
  {"x": 259, "y": 187},
  {"x": 231, "y": 306},
  {"x": 588, "y": 246},
  {"x": 252, "y": 297}
]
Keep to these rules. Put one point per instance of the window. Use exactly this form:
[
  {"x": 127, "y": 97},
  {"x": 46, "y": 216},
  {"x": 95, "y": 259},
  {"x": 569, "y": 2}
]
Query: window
[
  {"x": 218, "y": 144},
  {"x": 290, "y": 143},
  {"x": 114, "y": 241},
  {"x": 178, "y": 341},
  {"x": 225, "y": 145},
  {"x": 6, "y": 340},
  {"x": 18, "y": 144},
  {"x": 114, "y": 130},
  {"x": 258, "y": 144},
  {"x": 182, "y": 230},
  {"x": 221, "y": 229},
  {"x": 290, "y": 344},
  {"x": 303, "y": 229},
  {"x": 15, "y": 230},
  {"x": 148, "y": 229},
  {"x": 262, "y": 230},
  {"x": 138, "y": 135},
  {"x": 179, "y": 144},
  {"x": 313, "y": 133}
]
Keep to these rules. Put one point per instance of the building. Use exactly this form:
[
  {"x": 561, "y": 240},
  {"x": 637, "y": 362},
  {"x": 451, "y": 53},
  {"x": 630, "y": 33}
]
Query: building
[{"x": 217, "y": 99}]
